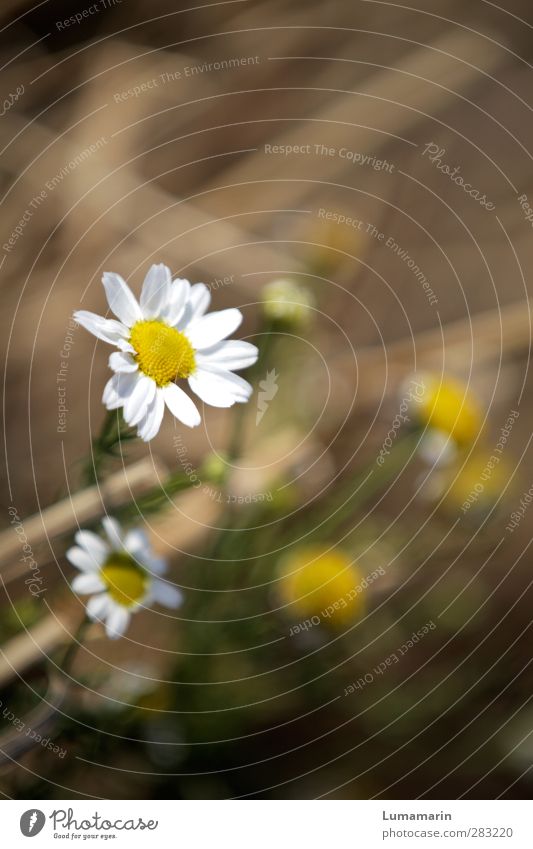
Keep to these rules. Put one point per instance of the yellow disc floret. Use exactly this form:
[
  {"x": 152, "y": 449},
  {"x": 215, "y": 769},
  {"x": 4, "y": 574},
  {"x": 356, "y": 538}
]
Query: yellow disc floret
[
  {"x": 163, "y": 353},
  {"x": 447, "y": 405},
  {"x": 480, "y": 481},
  {"x": 318, "y": 582},
  {"x": 126, "y": 582}
]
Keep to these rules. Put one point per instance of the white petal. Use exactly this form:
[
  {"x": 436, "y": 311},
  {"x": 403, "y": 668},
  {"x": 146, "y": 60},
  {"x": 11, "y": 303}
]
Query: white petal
[
  {"x": 119, "y": 388},
  {"x": 93, "y": 545},
  {"x": 121, "y": 299},
  {"x": 110, "y": 397},
  {"x": 179, "y": 295},
  {"x": 125, "y": 346},
  {"x": 155, "y": 565},
  {"x": 82, "y": 560},
  {"x": 136, "y": 542},
  {"x": 120, "y": 361},
  {"x": 140, "y": 399},
  {"x": 149, "y": 426},
  {"x": 218, "y": 388},
  {"x": 118, "y": 620},
  {"x": 210, "y": 329},
  {"x": 181, "y": 406},
  {"x": 155, "y": 291},
  {"x": 90, "y": 582},
  {"x": 199, "y": 300},
  {"x": 107, "y": 329},
  {"x": 437, "y": 448},
  {"x": 98, "y": 607},
  {"x": 113, "y": 532},
  {"x": 232, "y": 355},
  {"x": 166, "y": 594}
]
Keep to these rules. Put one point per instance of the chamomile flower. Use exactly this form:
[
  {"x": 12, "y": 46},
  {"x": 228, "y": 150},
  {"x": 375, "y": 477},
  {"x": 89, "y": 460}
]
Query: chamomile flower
[
  {"x": 317, "y": 582},
  {"x": 120, "y": 572},
  {"x": 450, "y": 415},
  {"x": 475, "y": 484},
  {"x": 163, "y": 338}
]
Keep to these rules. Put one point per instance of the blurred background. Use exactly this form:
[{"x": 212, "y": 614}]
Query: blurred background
[{"x": 353, "y": 627}]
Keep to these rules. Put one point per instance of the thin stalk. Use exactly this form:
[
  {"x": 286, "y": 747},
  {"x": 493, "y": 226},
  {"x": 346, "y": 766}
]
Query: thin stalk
[
  {"x": 113, "y": 432},
  {"x": 239, "y": 419},
  {"x": 74, "y": 646}
]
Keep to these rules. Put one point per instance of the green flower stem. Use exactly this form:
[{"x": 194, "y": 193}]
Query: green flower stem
[
  {"x": 113, "y": 433},
  {"x": 228, "y": 527},
  {"x": 74, "y": 645},
  {"x": 156, "y": 499},
  {"x": 357, "y": 492},
  {"x": 239, "y": 419}
]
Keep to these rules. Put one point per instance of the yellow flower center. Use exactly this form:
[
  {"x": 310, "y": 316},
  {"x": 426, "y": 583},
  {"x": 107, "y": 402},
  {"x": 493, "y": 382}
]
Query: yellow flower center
[
  {"x": 447, "y": 406},
  {"x": 322, "y": 583},
  {"x": 163, "y": 353},
  {"x": 125, "y": 581}
]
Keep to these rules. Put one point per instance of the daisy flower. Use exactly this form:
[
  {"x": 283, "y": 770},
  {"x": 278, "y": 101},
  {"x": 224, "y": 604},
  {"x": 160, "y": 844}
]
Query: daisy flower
[
  {"x": 120, "y": 571},
  {"x": 475, "y": 484},
  {"x": 165, "y": 337},
  {"x": 325, "y": 583},
  {"x": 450, "y": 414}
]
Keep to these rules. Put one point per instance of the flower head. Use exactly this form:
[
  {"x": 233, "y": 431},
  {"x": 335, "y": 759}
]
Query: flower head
[
  {"x": 475, "y": 484},
  {"x": 451, "y": 415},
  {"x": 119, "y": 571},
  {"x": 166, "y": 337},
  {"x": 323, "y": 583},
  {"x": 287, "y": 303}
]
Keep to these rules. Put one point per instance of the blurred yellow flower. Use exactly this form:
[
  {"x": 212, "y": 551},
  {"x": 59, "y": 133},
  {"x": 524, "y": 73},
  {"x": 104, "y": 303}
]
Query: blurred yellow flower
[
  {"x": 336, "y": 241},
  {"x": 477, "y": 484},
  {"x": 323, "y": 585},
  {"x": 446, "y": 406}
]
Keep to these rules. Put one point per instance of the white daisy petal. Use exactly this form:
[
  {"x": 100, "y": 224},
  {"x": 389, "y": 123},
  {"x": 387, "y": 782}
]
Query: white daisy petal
[
  {"x": 121, "y": 299},
  {"x": 206, "y": 331},
  {"x": 113, "y": 532},
  {"x": 149, "y": 426},
  {"x": 125, "y": 346},
  {"x": 119, "y": 388},
  {"x": 120, "y": 361},
  {"x": 118, "y": 620},
  {"x": 98, "y": 607},
  {"x": 90, "y": 582},
  {"x": 140, "y": 399},
  {"x": 82, "y": 560},
  {"x": 210, "y": 392},
  {"x": 136, "y": 542},
  {"x": 155, "y": 565},
  {"x": 232, "y": 382},
  {"x": 231, "y": 356},
  {"x": 107, "y": 329},
  {"x": 166, "y": 594},
  {"x": 110, "y": 397},
  {"x": 155, "y": 291},
  {"x": 199, "y": 300},
  {"x": 93, "y": 545},
  {"x": 181, "y": 406},
  {"x": 219, "y": 388},
  {"x": 179, "y": 295}
]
